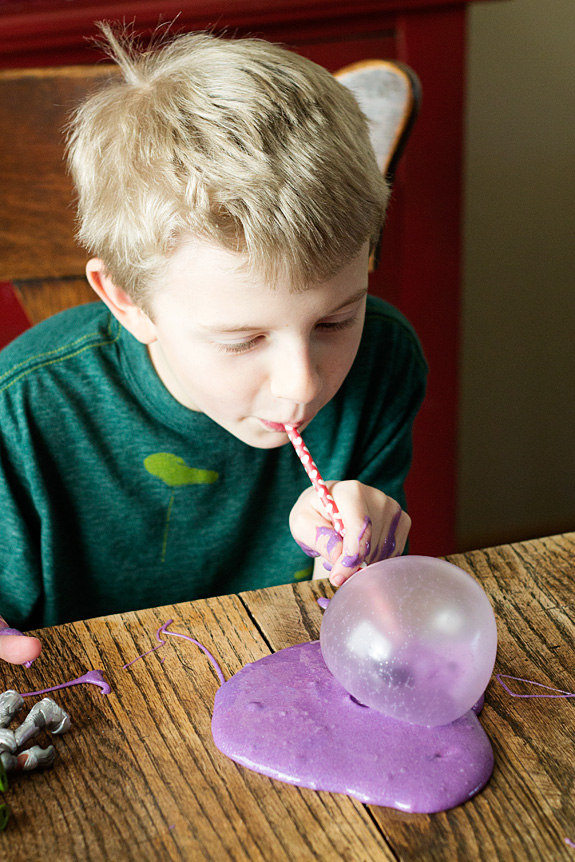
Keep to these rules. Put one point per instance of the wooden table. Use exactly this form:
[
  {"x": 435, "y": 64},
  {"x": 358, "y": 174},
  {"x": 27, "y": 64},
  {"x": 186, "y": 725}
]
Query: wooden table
[{"x": 138, "y": 776}]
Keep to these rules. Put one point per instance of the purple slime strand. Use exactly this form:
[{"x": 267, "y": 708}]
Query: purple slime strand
[
  {"x": 366, "y": 523},
  {"x": 311, "y": 552},
  {"x": 389, "y": 544},
  {"x": 500, "y": 676},
  {"x": 161, "y": 644},
  {"x": 206, "y": 652},
  {"x": 333, "y": 537},
  {"x": 352, "y": 561},
  {"x": 95, "y": 677},
  {"x": 569, "y": 842},
  {"x": 163, "y": 630}
]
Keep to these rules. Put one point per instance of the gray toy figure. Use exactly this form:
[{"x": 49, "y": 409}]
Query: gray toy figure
[{"x": 46, "y": 713}]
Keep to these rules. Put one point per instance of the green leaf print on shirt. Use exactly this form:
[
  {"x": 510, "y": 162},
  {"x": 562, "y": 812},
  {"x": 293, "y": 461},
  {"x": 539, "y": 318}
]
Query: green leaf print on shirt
[
  {"x": 304, "y": 574},
  {"x": 174, "y": 472}
]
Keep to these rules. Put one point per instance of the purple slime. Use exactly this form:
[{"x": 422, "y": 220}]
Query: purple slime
[
  {"x": 95, "y": 677},
  {"x": 501, "y": 676},
  {"x": 286, "y": 716},
  {"x": 333, "y": 537},
  {"x": 311, "y": 552},
  {"x": 352, "y": 560},
  {"x": 164, "y": 630}
]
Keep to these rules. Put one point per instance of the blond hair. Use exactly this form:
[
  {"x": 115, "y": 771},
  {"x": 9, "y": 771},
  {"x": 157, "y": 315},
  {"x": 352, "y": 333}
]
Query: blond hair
[{"x": 239, "y": 142}]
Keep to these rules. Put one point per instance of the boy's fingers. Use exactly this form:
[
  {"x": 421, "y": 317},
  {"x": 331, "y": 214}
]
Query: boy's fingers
[
  {"x": 358, "y": 531},
  {"x": 392, "y": 541},
  {"x": 17, "y": 648},
  {"x": 371, "y": 548},
  {"x": 320, "y": 540},
  {"x": 312, "y": 529},
  {"x": 401, "y": 534}
]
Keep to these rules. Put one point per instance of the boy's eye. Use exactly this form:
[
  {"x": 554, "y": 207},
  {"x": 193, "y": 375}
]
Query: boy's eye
[
  {"x": 336, "y": 325},
  {"x": 238, "y": 346}
]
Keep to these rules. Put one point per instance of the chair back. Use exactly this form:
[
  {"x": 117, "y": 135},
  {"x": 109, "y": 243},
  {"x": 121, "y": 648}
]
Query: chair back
[
  {"x": 389, "y": 94},
  {"x": 41, "y": 265}
]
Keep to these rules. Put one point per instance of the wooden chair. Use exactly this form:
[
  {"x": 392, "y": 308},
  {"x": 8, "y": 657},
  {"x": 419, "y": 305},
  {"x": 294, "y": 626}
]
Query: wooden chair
[
  {"x": 41, "y": 266},
  {"x": 389, "y": 94}
]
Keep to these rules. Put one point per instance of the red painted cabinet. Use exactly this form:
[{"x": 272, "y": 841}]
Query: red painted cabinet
[{"x": 420, "y": 262}]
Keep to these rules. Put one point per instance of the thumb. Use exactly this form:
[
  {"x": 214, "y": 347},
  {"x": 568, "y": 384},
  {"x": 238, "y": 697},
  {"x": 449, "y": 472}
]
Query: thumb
[{"x": 17, "y": 648}]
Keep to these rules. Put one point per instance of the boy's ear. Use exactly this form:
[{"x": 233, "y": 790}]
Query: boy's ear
[{"x": 124, "y": 309}]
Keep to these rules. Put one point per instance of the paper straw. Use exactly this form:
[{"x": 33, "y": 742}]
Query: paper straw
[{"x": 311, "y": 469}]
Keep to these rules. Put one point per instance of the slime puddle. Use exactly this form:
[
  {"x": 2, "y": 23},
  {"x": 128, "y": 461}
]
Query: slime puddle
[{"x": 287, "y": 717}]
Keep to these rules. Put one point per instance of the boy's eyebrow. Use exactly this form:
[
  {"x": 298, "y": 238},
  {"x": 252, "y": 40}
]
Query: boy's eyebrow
[{"x": 215, "y": 327}]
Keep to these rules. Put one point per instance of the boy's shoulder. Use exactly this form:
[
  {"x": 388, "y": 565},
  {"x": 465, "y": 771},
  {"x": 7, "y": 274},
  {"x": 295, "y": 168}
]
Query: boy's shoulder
[
  {"x": 386, "y": 329},
  {"x": 57, "y": 339}
]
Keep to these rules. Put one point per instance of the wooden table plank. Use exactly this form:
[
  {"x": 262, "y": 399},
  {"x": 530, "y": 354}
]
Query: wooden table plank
[
  {"x": 288, "y": 615},
  {"x": 138, "y": 776}
]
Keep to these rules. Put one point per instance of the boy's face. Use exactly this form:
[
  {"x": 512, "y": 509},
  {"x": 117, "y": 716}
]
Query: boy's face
[{"x": 250, "y": 356}]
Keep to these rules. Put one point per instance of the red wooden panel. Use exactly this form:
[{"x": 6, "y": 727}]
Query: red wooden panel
[
  {"x": 430, "y": 264},
  {"x": 13, "y": 320},
  {"x": 56, "y": 32}
]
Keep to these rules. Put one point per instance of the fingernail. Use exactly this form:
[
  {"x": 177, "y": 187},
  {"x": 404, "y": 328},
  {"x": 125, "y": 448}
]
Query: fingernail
[{"x": 337, "y": 580}]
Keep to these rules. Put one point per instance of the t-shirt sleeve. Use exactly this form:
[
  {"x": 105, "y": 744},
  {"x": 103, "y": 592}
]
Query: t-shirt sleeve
[{"x": 397, "y": 380}]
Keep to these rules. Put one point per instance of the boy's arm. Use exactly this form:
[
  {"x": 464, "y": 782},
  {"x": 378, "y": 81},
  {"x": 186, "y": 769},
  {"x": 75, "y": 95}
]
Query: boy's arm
[{"x": 19, "y": 566}]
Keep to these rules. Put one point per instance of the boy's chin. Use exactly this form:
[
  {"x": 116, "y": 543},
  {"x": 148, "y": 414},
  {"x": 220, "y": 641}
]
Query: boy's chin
[{"x": 268, "y": 440}]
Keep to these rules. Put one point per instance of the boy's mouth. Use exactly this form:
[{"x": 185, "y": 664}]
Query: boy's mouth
[{"x": 278, "y": 426}]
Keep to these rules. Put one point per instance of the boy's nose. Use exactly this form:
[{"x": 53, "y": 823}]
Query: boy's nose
[{"x": 294, "y": 377}]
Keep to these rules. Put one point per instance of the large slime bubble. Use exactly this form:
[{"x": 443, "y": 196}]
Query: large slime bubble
[{"x": 413, "y": 637}]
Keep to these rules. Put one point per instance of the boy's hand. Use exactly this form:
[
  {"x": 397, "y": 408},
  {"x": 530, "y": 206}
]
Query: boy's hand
[
  {"x": 375, "y": 528},
  {"x": 17, "y": 648}
]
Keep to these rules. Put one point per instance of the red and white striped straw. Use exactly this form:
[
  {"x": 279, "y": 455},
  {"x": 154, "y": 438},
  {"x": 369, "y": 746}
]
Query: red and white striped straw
[{"x": 311, "y": 469}]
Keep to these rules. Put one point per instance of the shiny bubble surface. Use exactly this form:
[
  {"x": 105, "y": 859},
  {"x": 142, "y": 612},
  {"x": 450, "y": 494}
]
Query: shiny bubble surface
[{"x": 413, "y": 637}]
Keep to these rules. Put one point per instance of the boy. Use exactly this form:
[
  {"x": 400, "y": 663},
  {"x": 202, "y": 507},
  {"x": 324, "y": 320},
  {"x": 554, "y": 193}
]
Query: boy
[{"x": 229, "y": 195}]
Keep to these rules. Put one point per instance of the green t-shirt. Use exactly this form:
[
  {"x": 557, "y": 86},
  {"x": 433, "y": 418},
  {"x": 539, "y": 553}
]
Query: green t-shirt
[{"x": 114, "y": 496}]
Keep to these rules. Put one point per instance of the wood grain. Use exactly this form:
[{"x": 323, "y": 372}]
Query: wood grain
[
  {"x": 37, "y": 220},
  {"x": 41, "y": 298},
  {"x": 138, "y": 776},
  {"x": 289, "y": 614}
]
